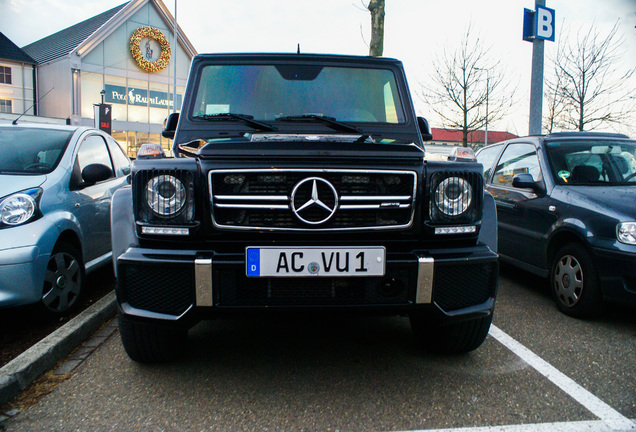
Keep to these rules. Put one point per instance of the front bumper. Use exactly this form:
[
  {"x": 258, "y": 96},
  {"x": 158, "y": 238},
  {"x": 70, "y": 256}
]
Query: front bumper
[
  {"x": 174, "y": 285},
  {"x": 617, "y": 271},
  {"x": 21, "y": 276},
  {"x": 24, "y": 254}
]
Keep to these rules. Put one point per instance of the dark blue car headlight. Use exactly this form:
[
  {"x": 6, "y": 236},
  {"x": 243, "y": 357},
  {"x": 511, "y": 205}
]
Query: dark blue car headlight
[
  {"x": 626, "y": 232},
  {"x": 19, "y": 208}
]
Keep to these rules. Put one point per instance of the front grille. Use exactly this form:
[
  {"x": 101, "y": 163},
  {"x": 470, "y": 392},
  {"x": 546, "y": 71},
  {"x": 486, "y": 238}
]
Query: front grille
[
  {"x": 233, "y": 288},
  {"x": 164, "y": 289},
  {"x": 312, "y": 199},
  {"x": 462, "y": 286}
]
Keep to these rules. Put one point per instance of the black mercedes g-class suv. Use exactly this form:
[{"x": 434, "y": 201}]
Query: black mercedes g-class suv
[{"x": 300, "y": 182}]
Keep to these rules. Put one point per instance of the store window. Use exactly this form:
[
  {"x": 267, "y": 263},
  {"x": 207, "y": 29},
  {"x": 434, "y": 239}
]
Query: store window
[
  {"x": 92, "y": 84},
  {"x": 5, "y": 75},
  {"x": 137, "y": 101},
  {"x": 6, "y": 106}
]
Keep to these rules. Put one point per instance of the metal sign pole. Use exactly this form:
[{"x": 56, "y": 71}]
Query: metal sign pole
[{"x": 539, "y": 26}]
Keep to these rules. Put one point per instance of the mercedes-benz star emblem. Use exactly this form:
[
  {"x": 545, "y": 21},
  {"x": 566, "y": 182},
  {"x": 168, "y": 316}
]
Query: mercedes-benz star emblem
[{"x": 314, "y": 200}]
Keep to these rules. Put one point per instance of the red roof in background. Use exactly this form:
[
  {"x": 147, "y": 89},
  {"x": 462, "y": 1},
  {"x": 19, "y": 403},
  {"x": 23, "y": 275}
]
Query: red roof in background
[{"x": 455, "y": 136}]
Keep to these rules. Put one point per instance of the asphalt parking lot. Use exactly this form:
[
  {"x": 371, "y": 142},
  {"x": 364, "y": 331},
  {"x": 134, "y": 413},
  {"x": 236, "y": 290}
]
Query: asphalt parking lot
[{"x": 539, "y": 370}]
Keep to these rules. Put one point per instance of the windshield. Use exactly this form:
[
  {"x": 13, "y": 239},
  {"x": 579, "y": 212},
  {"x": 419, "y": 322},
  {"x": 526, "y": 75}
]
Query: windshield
[
  {"x": 31, "y": 151},
  {"x": 593, "y": 162},
  {"x": 269, "y": 93}
]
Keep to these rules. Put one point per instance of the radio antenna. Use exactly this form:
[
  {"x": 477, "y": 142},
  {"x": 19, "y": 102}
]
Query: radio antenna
[{"x": 15, "y": 122}]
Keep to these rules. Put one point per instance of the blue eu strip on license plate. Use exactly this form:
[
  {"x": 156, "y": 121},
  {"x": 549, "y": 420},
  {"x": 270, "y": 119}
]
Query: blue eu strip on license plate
[{"x": 253, "y": 262}]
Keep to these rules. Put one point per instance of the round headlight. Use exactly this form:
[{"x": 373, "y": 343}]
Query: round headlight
[
  {"x": 17, "y": 209},
  {"x": 453, "y": 196},
  {"x": 165, "y": 195}
]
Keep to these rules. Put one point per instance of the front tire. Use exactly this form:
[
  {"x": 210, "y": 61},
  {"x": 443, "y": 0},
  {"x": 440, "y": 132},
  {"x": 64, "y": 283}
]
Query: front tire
[
  {"x": 147, "y": 342},
  {"x": 63, "y": 280},
  {"x": 574, "y": 282},
  {"x": 450, "y": 338}
]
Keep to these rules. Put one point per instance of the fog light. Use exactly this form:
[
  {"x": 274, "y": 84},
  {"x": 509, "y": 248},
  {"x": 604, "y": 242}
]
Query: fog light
[
  {"x": 456, "y": 230},
  {"x": 165, "y": 230}
]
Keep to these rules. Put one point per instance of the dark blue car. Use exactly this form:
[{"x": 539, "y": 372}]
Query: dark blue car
[{"x": 566, "y": 207}]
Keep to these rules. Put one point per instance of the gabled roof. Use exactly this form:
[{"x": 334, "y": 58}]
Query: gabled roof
[
  {"x": 83, "y": 37},
  {"x": 10, "y": 51},
  {"x": 63, "y": 42}
]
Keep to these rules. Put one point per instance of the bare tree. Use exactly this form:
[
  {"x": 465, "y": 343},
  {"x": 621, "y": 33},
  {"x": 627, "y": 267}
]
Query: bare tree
[
  {"x": 590, "y": 89},
  {"x": 376, "y": 8},
  {"x": 554, "y": 101},
  {"x": 464, "y": 83}
]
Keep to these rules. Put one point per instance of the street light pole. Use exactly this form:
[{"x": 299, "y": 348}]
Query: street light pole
[
  {"x": 174, "y": 60},
  {"x": 487, "y": 96}
]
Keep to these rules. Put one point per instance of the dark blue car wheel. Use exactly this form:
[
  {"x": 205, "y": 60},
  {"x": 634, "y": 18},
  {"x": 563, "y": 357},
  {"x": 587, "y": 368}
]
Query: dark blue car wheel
[
  {"x": 575, "y": 283},
  {"x": 64, "y": 279}
]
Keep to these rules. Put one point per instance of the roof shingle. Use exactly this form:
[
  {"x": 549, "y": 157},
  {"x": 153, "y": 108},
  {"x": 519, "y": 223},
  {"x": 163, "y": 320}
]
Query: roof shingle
[
  {"x": 63, "y": 42},
  {"x": 10, "y": 51}
]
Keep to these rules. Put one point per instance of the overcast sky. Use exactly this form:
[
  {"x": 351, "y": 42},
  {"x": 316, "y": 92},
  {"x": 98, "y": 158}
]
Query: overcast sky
[{"x": 416, "y": 31}]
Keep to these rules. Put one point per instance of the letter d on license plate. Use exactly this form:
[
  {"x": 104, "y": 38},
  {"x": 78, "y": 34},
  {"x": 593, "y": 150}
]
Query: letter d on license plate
[{"x": 314, "y": 261}]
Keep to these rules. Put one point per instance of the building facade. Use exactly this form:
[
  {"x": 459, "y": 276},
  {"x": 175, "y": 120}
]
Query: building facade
[
  {"x": 17, "y": 77},
  {"x": 124, "y": 57}
]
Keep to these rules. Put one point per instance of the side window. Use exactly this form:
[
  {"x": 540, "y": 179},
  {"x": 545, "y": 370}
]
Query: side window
[
  {"x": 93, "y": 150},
  {"x": 122, "y": 163},
  {"x": 487, "y": 157},
  {"x": 517, "y": 159}
]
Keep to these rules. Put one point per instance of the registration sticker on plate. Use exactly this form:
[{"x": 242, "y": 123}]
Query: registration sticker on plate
[{"x": 314, "y": 261}]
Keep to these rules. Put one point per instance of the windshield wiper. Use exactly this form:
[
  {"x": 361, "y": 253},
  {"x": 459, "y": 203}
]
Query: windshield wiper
[
  {"x": 247, "y": 119},
  {"x": 330, "y": 121}
]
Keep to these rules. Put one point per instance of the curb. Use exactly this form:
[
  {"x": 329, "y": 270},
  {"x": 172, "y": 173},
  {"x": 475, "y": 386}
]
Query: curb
[{"x": 16, "y": 375}]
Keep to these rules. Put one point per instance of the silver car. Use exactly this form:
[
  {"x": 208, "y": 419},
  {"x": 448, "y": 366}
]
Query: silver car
[{"x": 56, "y": 184}]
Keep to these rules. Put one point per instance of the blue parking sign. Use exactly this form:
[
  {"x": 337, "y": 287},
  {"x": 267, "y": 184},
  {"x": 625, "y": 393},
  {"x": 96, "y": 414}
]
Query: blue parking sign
[{"x": 539, "y": 24}]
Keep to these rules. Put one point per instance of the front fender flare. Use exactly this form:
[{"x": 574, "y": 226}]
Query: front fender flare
[
  {"x": 488, "y": 230},
  {"x": 122, "y": 222}
]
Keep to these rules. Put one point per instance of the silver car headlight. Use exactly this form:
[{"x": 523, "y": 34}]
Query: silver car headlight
[
  {"x": 626, "y": 232},
  {"x": 165, "y": 195},
  {"x": 453, "y": 196},
  {"x": 18, "y": 208}
]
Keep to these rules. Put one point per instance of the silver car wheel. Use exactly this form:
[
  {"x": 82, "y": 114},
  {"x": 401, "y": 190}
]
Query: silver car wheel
[
  {"x": 568, "y": 280},
  {"x": 62, "y": 282}
]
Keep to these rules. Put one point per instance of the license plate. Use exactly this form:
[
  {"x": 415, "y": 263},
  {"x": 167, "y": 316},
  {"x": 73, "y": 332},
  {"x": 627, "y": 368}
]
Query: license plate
[{"x": 314, "y": 261}]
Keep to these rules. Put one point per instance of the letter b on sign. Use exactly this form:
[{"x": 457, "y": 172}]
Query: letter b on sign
[{"x": 544, "y": 20}]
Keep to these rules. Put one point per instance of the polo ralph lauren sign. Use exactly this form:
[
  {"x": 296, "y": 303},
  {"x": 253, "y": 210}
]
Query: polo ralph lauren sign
[{"x": 139, "y": 97}]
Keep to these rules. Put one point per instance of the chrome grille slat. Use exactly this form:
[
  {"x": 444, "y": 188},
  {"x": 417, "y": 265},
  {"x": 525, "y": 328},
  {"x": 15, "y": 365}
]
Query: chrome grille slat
[{"x": 367, "y": 199}]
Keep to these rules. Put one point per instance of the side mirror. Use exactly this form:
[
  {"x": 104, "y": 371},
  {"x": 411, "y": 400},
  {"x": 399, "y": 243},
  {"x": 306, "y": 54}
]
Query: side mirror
[
  {"x": 170, "y": 126},
  {"x": 425, "y": 130},
  {"x": 526, "y": 181},
  {"x": 95, "y": 173}
]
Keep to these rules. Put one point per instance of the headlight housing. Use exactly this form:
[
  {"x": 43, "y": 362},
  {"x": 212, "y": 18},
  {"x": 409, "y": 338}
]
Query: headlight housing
[
  {"x": 19, "y": 208},
  {"x": 626, "y": 232},
  {"x": 165, "y": 195},
  {"x": 453, "y": 196}
]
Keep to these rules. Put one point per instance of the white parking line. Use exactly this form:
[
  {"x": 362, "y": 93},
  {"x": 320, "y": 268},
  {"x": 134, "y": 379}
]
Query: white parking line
[
  {"x": 612, "y": 419},
  {"x": 581, "y": 426}
]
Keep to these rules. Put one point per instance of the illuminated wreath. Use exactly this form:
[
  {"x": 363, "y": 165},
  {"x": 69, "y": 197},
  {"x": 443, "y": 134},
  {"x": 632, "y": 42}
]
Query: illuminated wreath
[{"x": 135, "y": 49}]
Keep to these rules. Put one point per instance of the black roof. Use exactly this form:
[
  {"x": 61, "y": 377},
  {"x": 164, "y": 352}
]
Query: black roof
[
  {"x": 63, "y": 42},
  {"x": 10, "y": 51}
]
